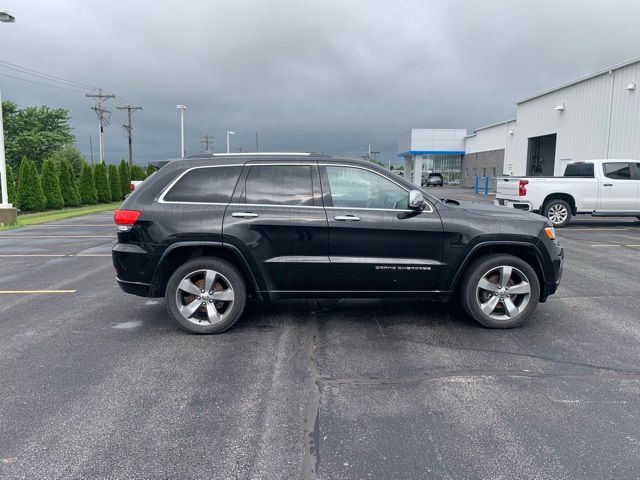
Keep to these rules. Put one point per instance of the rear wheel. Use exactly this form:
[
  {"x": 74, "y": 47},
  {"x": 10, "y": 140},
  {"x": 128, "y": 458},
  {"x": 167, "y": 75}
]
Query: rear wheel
[
  {"x": 500, "y": 291},
  {"x": 206, "y": 295},
  {"x": 558, "y": 211}
]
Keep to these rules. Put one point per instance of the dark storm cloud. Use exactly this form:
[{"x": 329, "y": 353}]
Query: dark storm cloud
[{"x": 327, "y": 76}]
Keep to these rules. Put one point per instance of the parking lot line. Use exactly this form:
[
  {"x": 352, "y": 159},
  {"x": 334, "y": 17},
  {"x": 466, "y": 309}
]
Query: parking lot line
[
  {"x": 53, "y": 225},
  {"x": 55, "y": 254},
  {"x": 58, "y": 236},
  {"x": 11, "y": 292},
  {"x": 591, "y": 229}
]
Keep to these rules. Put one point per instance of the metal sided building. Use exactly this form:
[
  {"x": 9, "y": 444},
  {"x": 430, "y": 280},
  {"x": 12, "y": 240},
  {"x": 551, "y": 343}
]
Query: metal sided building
[{"x": 596, "y": 116}]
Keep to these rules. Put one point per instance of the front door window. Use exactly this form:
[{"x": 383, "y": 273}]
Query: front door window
[{"x": 358, "y": 188}]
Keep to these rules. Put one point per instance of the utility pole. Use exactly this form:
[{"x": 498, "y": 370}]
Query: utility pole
[
  {"x": 205, "y": 141},
  {"x": 91, "y": 148},
  {"x": 257, "y": 147},
  {"x": 128, "y": 128},
  {"x": 103, "y": 115}
]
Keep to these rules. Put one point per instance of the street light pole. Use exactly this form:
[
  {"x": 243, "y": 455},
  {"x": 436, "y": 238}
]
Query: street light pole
[
  {"x": 8, "y": 214},
  {"x": 3, "y": 165},
  {"x": 229, "y": 132},
  {"x": 182, "y": 108}
]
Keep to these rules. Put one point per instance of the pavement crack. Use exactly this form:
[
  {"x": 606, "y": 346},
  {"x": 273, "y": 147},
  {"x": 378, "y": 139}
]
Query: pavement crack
[
  {"x": 544, "y": 358},
  {"x": 312, "y": 410},
  {"x": 426, "y": 377}
]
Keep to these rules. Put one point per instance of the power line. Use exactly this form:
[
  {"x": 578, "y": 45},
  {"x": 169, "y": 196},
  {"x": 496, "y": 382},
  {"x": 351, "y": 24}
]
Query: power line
[
  {"x": 129, "y": 128},
  {"x": 30, "y": 71},
  {"x": 40, "y": 83}
]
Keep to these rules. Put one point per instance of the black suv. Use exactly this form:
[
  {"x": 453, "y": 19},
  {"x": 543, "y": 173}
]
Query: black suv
[{"x": 208, "y": 233}]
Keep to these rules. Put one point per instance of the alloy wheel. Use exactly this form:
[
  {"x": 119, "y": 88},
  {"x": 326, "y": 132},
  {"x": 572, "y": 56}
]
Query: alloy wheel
[
  {"x": 204, "y": 297},
  {"x": 557, "y": 213},
  {"x": 503, "y": 292}
]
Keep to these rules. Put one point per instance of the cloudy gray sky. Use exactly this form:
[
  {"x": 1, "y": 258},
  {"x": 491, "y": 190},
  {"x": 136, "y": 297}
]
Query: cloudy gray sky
[{"x": 330, "y": 76}]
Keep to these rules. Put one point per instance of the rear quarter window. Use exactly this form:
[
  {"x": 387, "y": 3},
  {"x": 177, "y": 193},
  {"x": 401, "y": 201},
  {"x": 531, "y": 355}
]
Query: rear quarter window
[
  {"x": 579, "y": 170},
  {"x": 205, "y": 185}
]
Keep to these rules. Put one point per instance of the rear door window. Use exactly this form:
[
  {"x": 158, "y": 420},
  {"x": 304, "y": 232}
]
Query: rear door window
[
  {"x": 278, "y": 185},
  {"x": 205, "y": 185},
  {"x": 617, "y": 170}
]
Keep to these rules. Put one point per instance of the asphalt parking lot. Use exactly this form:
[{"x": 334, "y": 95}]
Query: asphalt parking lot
[{"x": 99, "y": 384}]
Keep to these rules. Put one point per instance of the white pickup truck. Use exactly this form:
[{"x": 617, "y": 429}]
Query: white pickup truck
[{"x": 604, "y": 188}]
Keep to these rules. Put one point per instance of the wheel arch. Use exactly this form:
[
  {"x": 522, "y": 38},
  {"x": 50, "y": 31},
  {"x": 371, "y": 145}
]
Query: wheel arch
[
  {"x": 523, "y": 250},
  {"x": 180, "y": 252},
  {"x": 560, "y": 196}
]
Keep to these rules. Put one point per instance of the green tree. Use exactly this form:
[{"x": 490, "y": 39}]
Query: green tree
[
  {"x": 87, "y": 186},
  {"x": 102, "y": 183},
  {"x": 11, "y": 185},
  {"x": 71, "y": 154},
  {"x": 125, "y": 177},
  {"x": 68, "y": 186},
  {"x": 30, "y": 197},
  {"x": 150, "y": 170},
  {"x": 51, "y": 185},
  {"x": 34, "y": 132},
  {"x": 137, "y": 173},
  {"x": 114, "y": 183}
]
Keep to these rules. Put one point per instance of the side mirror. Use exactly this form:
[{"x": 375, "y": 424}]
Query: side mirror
[{"x": 416, "y": 200}]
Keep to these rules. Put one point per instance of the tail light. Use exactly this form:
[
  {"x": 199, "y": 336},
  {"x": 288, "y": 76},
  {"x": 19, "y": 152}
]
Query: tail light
[
  {"x": 125, "y": 219},
  {"x": 132, "y": 187},
  {"x": 522, "y": 188}
]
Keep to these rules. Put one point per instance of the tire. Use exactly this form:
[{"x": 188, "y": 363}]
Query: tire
[
  {"x": 207, "y": 314},
  {"x": 558, "y": 211},
  {"x": 489, "y": 268}
]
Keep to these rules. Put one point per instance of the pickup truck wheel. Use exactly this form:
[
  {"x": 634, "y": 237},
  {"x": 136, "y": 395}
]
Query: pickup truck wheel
[
  {"x": 206, "y": 295},
  {"x": 500, "y": 291},
  {"x": 558, "y": 211}
]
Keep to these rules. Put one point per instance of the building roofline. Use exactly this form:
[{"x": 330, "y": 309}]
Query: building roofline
[
  {"x": 504, "y": 122},
  {"x": 581, "y": 79}
]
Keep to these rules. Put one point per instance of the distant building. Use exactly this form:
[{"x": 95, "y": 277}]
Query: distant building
[{"x": 597, "y": 116}]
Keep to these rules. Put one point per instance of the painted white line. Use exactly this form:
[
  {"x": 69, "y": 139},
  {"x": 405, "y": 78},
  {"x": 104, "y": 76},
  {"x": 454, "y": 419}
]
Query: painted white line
[
  {"x": 53, "y": 225},
  {"x": 632, "y": 245},
  {"x": 589, "y": 229},
  {"x": 58, "y": 236},
  {"x": 33, "y": 255},
  {"x": 605, "y": 245},
  {"x": 9, "y": 292},
  {"x": 57, "y": 255}
]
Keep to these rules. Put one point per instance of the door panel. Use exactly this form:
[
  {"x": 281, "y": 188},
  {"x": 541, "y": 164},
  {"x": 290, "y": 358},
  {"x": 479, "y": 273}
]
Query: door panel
[
  {"x": 378, "y": 249},
  {"x": 284, "y": 233},
  {"x": 619, "y": 188}
]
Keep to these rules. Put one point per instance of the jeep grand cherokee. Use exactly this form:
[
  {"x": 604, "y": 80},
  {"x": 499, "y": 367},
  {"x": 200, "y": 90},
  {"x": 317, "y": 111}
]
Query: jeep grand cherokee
[{"x": 207, "y": 233}]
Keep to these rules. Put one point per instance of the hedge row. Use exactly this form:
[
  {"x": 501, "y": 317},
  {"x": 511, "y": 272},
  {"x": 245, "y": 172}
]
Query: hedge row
[{"x": 56, "y": 186}]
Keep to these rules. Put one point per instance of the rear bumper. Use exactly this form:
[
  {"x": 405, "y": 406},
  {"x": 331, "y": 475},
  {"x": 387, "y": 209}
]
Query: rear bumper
[
  {"x": 134, "y": 288},
  {"x": 519, "y": 205}
]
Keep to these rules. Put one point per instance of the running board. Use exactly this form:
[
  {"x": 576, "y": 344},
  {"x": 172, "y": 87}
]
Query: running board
[{"x": 615, "y": 214}]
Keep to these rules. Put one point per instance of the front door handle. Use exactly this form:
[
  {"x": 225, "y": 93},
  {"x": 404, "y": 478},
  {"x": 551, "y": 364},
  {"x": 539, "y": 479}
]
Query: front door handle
[
  {"x": 347, "y": 218},
  {"x": 244, "y": 215},
  {"x": 607, "y": 184}
]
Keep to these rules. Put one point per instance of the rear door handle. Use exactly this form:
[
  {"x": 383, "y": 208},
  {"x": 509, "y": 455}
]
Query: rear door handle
[
  {"x": 347, "y": 218},
  {"x": 244, "y": 215},
  {"x": 607, "y": 184}
]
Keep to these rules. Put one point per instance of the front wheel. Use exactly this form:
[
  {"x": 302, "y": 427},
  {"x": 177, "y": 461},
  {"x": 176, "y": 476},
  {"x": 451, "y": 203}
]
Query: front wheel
[
  {"x": 500, "y": 291},
  {"x": 558, "y": 211},
  {"x": 206, "y": 295}
]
